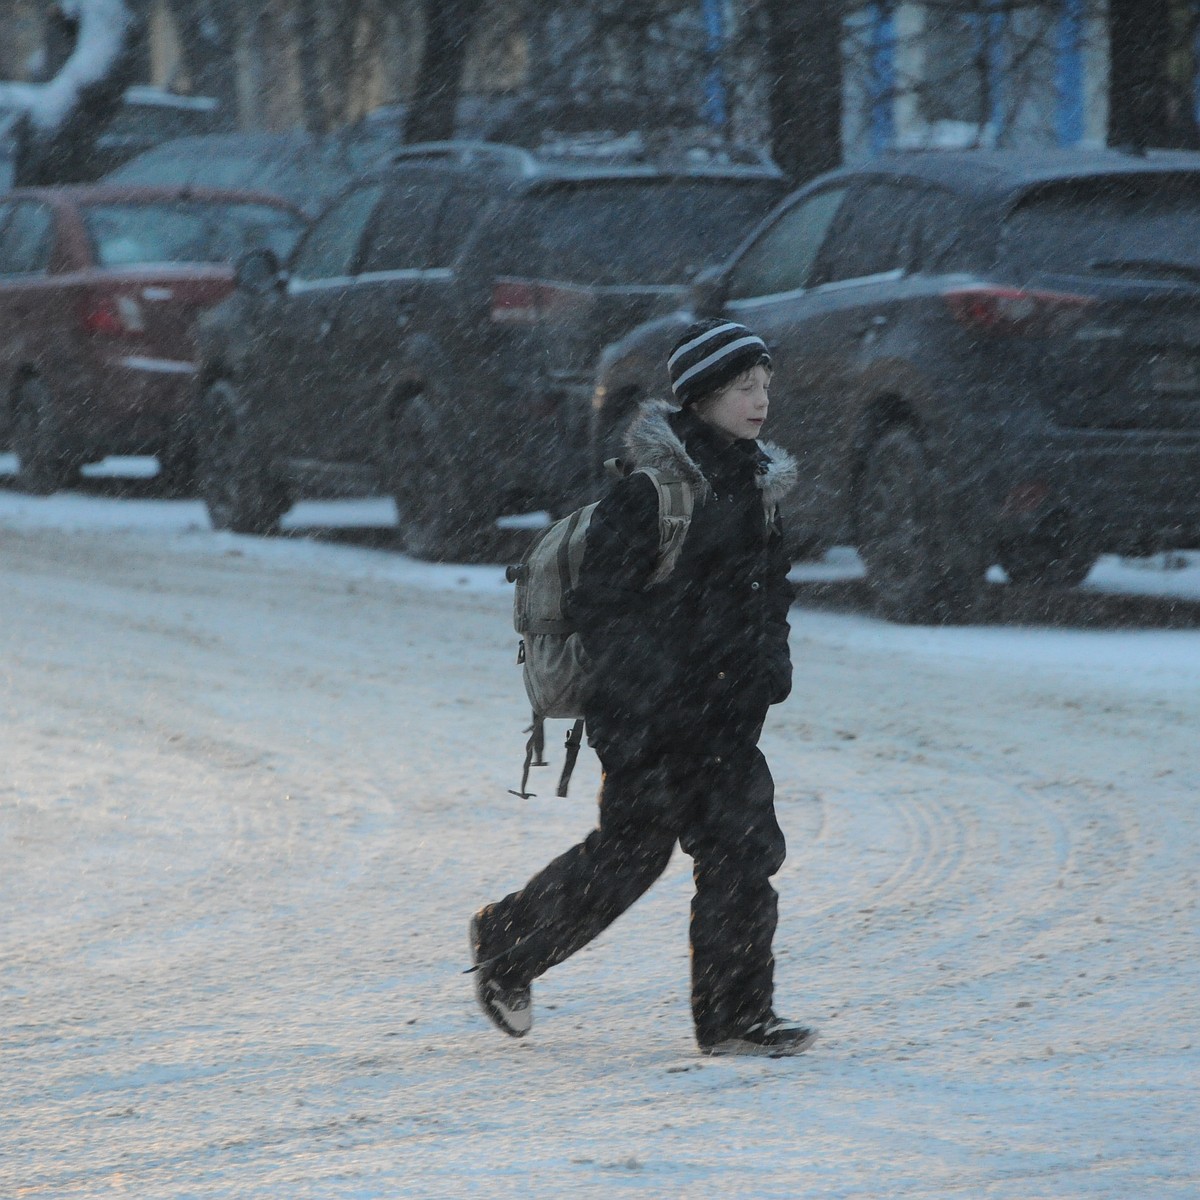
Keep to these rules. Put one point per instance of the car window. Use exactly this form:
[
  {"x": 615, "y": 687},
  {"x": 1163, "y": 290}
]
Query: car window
[
  {"x": 161, "y": 167},
  {"x": 402, "y": 231},
  {"x": 946, "y": 237},
  {"x": 782, "y": 258},
  {"x": 27, "y": 240},
  {"x": 508, "y": 245},
  {"x": 877, "y": 233},
  {"x": 1139, "y": 226},
  {"x": 330, "y": 248},
  {"x": 640, "y": 231},
  {"x": 186, "y": 231},
  {"x": 301, "y": 168},
  {"x": 459, "y": 215}
]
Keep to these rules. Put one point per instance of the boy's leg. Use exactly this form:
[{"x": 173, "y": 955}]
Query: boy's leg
[
  {"x": 736, "y": 846},
  {"x": 578, "y": 895}
]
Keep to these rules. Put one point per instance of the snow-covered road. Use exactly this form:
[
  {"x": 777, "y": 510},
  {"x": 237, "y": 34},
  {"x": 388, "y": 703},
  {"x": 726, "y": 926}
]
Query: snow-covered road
[{"x": 251, "y": 790}]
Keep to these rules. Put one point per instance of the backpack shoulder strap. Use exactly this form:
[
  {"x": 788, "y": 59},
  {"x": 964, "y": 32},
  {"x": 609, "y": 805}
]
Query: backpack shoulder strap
[{"x": 676, "y": 502}]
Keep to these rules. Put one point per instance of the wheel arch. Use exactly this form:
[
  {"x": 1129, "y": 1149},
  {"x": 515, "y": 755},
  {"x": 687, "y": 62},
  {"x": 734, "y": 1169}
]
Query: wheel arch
[
  {"x": 889, "y": 410},
  {"x": 21, "y": 375},
  {"x": 210, "y": 371}
]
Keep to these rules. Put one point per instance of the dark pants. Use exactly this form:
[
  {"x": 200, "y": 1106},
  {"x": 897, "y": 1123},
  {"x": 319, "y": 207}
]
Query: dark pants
[{"x": 722, "y": 813}]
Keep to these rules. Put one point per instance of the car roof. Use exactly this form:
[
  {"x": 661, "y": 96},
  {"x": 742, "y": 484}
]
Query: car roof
[
  {"x": 582, "y": 164},
  {"x": 247, "y": 143},
  {"x": 111, "y": 193},
  {"x": 1004, "y": 175}
]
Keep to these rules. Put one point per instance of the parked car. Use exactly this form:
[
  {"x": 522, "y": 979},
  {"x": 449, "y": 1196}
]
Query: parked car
[
  {"x": 145, "y": 117},
  {"x": 305, "y": 169},
  {"x": 148, "y": 117},
  {"x": 98, "y": 290},
  {"x": 980, "y": 357},
  {"x": 434, "y": 334},
  {"x": 370, "y": 141}
]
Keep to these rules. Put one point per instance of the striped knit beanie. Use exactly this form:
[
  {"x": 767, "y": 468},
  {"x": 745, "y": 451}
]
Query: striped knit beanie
[{"x": 711, "y": 354}]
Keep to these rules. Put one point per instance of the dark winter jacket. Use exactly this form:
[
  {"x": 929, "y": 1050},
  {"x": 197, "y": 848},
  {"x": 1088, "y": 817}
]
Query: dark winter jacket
[{"x": 689, "y": 665}]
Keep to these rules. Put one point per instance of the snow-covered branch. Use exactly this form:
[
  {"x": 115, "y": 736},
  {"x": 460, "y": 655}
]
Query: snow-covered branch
[
  {"x": 91, "y": 59},
  {"x": 104, "y": 28}
]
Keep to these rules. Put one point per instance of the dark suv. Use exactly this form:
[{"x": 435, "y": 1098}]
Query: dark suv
[
  {"x": 980, "y": 357},
  {"x": 435, "y": 334}
]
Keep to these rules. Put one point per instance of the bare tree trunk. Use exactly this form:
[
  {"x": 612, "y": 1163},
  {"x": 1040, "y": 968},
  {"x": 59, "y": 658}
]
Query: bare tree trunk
[
  {"x": 448, "y": 27},
  {"x": 208, "y": 36},
  {"x": 804, "y": 63},
  {"x": 58, "y": 142},
  {"x": 59, "y": 35},
  {"x": 307, "y": 28},
  {"x": 1144, "y": 110}
]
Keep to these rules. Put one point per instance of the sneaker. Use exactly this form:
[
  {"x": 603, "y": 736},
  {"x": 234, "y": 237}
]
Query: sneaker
[
  {"x": 772, "y": 1037},
  {"x": 508, "y": 1008}
]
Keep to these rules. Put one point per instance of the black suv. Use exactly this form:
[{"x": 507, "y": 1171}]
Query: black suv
[
  {"x": 435, "y": 334},
  {"x": 980, "y": 357}
]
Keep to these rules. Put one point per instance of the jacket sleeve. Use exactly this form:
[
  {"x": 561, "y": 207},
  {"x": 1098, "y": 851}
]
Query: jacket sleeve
[{"x": 780, "y": 595}]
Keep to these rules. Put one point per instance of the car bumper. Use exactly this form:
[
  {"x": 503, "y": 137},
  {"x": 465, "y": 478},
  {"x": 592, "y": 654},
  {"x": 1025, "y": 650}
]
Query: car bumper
[
  {"x": 136, "y": 403},
  {"x": 1122, "y": 491}
]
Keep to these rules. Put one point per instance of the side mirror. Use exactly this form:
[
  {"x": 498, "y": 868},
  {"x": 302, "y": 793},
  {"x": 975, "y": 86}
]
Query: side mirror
[
  {"x": 708, "y": 292},
  {"x": 258, "y": 272}
]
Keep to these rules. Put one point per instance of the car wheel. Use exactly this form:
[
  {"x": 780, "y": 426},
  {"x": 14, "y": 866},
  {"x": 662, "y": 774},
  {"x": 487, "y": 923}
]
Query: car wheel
[
  {"x": 1049, "y": 557},
  {"x": 237, "y": 488},
  {"x": 177, "y": 468},
  {"x": 920, "y": 568},
  {"x": 44, "y": 464},
  {"x": 437, "y": 520}
]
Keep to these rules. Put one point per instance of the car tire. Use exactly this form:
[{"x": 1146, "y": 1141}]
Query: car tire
[
  {"x": 177, "y": 468},
  {"x": 921, "y": 567},
  {"x": 240, "y": 493},
  {"x": 43, "y": 463},
  {"x": 436, "y": 518},
  {"x": 1049, "y": 557}
]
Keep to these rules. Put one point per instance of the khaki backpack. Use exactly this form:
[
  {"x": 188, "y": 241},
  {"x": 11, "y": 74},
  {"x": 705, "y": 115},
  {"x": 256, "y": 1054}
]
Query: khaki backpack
[{"x": 557, "y": 674}]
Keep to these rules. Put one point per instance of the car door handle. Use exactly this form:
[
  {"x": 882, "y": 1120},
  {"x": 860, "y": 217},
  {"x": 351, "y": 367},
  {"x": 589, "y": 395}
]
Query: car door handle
[
  {"x": 157, "y": 293},
  {"x": 327, "y": 326},
  {"x": 874, "y": 325}
]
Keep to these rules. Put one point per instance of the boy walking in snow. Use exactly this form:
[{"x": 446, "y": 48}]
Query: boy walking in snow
[{"x": 685, "y": 671}]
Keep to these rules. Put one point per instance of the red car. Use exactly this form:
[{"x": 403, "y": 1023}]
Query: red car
[{"x": 99, "y": 287}]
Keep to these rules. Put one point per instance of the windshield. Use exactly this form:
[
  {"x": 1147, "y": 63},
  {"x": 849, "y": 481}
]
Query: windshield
[
  {"x": 1133, "y": 226},
  {"x": 307, "y": 172},
  {"x": 638, "y": 232},
  {"x": 187, "y": 231}
]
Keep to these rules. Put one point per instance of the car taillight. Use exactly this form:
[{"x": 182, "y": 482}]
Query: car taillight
[
  {"x": 514, "y": 301},
  {"x": 523, "y": 301},
  {"x": 111, "y": 316},
  {"x": 1020, "y": 312}
]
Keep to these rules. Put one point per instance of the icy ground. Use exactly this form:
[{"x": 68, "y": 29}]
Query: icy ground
[{"x": 251, "y": 790}]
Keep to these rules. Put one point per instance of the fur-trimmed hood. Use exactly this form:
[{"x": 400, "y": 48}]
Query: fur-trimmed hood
[{"x": 652, "y": 442}]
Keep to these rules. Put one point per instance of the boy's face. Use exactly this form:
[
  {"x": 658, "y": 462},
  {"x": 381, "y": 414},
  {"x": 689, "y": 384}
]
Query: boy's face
[{"x": 739, "y": 409}]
